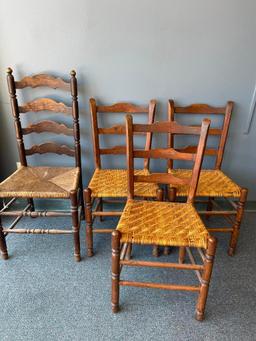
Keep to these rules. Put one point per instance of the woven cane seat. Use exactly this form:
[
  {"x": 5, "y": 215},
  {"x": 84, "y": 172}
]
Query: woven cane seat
[
  {"x": 213, "y": 183},
  {"x": 162, "y": 223},
  {"x": 113, "y": 183},
  {"x": 40, "y": 182}
]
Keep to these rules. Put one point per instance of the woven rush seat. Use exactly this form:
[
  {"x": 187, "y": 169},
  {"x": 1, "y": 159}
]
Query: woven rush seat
[
  {"x": 162, "y": 223},
  {"x": 40, "y": 182},
  {"x": 113, "y": 183},
  {"x": 211, "y": 183}
]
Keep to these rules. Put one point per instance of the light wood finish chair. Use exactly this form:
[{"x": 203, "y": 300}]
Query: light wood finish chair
[
  {"x": 213, "y": 183},
  {"x": 163, "y": 223},
  {"x": 110, "y": 185},
  {"x": 44, "y": 182}
]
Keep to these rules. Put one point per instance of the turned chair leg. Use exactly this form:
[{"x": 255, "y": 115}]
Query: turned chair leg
[
  {"x": 81, "y": 198},
  {"x": 206, "y": 277},
  {"x": 182, "y": 254},
  {"x": 88, "y": 218},
  {"x": 171, "y": 193},
  {"x": 101, "y": 208},
  {"x": 3, "y": 246},
  {"x": 209, "y": 207},
  {"x": 236, "y": 226},
  {"x": 128, "y": 253},
  {"x": 75, "y": 223},
  {"x": 115, "y": 270},
  {"x": 159, "y": 197}
]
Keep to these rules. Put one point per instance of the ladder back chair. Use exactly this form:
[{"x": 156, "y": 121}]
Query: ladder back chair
[
  {"x": 213, "y": 183},
  {"x": 163, "y": 223},
  {"x": 32, "y": 182},
  {"x": 110, "y": 185}
]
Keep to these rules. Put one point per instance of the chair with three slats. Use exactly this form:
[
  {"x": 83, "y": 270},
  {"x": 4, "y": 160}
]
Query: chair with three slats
[
  {"x": 110, "y": 185},
  {"x": 44, "y": 182},
  {"x": 163, "y": 223},
  {"x": 213, "y": 183}
]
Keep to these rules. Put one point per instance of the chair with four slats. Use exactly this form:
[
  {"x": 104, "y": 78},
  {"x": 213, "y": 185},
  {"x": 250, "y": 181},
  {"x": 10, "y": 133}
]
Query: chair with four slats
[
  {"x": 213, "y": 183},
  {"x": 32, "y": 182},
  {"x": 163, "y": 223},
  {"x": 110, "y": 185}
]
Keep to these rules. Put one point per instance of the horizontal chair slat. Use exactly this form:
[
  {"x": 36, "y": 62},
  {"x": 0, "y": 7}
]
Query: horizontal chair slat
[
  {"x": 212, "y": 131},
  {"x": 42, "y": 80},
  {"x": 115, "y": 130},
  {"x": 164, "y": 153},
  {"x": 200, "y": 109},
  {"x": 193, "y": 149},
  {"x": 49, "y": 127},
  {"x": 161, "y": 179},
  {"x": 50, "y": 148},
  {"x": 113, "y": 150},
  {"x": 45, "y": 104},
  {"x": 122, "y": 108},
  {"x": 166, "y": 127}
]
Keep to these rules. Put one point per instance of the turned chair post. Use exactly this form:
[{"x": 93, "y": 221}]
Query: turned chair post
[
  {"x": 236, "y": 226},
  {"x": 3, "y": 247},
  {"x": 206, "y": 277},
  {"x": 171, "y": 193},
  {"x": 115, "y": 270},
  {"x": 159, "y": 197},
  {"x": 88, "y": 218},
  {"x": 75, "y": 224}
]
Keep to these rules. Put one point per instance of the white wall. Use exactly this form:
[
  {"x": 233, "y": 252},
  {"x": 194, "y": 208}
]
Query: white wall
[{"x": 135, "y": 50}]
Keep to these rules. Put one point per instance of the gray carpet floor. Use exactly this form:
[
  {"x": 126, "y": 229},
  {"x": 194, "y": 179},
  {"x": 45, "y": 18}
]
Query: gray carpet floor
[{"x": 45, "y": 295}]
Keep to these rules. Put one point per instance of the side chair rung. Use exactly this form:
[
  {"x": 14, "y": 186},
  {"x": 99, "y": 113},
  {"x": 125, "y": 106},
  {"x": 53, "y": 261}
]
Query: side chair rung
[
  {"x": 34, "y": 214},
  {"x": 37, "y": 231},
  {"x": 13, "y": 224},
  {"x": 107, "y": 213},
  {"x": 162, "y": 265},
  {"x": 220, "y": 229},
  {"x": 160, "y": 286},
  {"x": 192, "y": 260},
  {"x": 9, "y": 203},
  {"x": 218, "y": 212},
  {"x": 103, "y": 230}
]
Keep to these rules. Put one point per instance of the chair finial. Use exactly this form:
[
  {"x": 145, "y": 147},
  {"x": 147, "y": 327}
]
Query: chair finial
[
  {"x": 72, "y": 73},
  {"x": 9, "y": 70}
]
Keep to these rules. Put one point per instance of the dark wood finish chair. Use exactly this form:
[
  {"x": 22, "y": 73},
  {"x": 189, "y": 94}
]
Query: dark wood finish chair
[
  {"x": 110, "y": 185},
  {"x": 163, "y": 223},
  {"x": 44, "y": 182},
  {"x": 213, "y": 183}
]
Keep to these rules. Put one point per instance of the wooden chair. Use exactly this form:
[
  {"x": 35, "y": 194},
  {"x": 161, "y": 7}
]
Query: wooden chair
[
  {"x": 110, "y": 185},
  {"x": 44, "y": 182},
  {"x": 163, "y": 223},
  {"x": 213, "y": 183}
]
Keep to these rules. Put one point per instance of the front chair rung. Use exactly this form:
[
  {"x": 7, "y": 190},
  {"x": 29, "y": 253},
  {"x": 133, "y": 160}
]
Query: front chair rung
[
  {"x": 162, "y": 265},
  {"x": 160, "y": 286}
]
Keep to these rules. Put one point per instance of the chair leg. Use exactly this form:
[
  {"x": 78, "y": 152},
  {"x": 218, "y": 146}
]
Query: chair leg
[
  {"x": 115, "y": 270},
  {"x": 236, "y": 226},
  {"x": 3, "y": 246},
  {"x": 206, "y": 277},
  {"x": 75, "y": 224},
  {"x": 101, "y": 208},
  {"x": 128, "y": 253},
  {"x": 88, "y": 218},
  {"x": 81, "y": 197},
  {"x": 182, "y": 254},
  {"x": 172, "y": 193},
  {"x": 159, "y": 197},
  {"x": 209, "y": 207}
]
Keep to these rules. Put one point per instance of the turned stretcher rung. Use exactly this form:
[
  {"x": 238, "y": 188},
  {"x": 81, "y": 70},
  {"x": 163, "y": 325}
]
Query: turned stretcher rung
[
  {"x": 8, "y": 204},
  {"x": 219, "y": 229},
  {"x": 106, "y": 214},
  {"x": 36, "y": 213},
  {"x": 218, "y": 212},
  {"x": 36, "y": 231},
  {"x": 162, "y": 265},
  {"x": 102, "y": 230},
  {"x": 159, "y": 286},
  {"x": 15, "y": 222}
]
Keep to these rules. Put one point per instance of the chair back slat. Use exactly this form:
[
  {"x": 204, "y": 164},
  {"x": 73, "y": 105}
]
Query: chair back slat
[
  {"x": 167, "y": 153},
  {"x": 42, "y": 80},
  {"x": 207, "y": 110},
  {"x": 48, "y": 127},
  {"x": 121, "y": 108},
  {"x": 193, "y": 149},
  {"x": 45, "y": 105},
  {"x": 50, "y": 147}
]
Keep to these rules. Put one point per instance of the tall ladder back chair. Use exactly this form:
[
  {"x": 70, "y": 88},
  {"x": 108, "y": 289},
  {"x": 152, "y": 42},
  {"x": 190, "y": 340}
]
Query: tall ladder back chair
[
  {"x": 213, "y": 183},
  {"x": 109, "y": 186},
  {"x": 163, "y": 223},
  {"x": 44, "y": 182}
]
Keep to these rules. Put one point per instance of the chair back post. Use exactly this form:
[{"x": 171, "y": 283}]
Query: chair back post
[
  {"x": 95, "y": 135},
  {"x": 170, "y": 140},
  {"x": 198, "y": 160},
  {"x": 224, "y": 135},
  {"x": 129, "y": 155},
  {"x": 16, "y": 116},
  {"x": 151, "y": 118},
  {"x": 75, "y": 114}
]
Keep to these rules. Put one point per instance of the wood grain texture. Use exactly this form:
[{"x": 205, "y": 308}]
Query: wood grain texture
[
  {"x": 45, "y": 104},
  {"x": 49, "y": 127},
  {"x": 200, "y": 109},
  {"x": 50, "y": 147},
  {"x": 42, "y": 80},
  {"x": 122, "y": 108}
]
